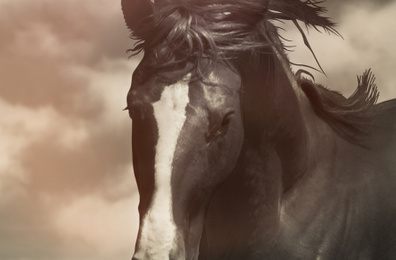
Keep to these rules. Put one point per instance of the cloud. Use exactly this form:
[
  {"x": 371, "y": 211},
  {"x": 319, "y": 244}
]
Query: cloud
[
  {"x": 85, "y": 228},
  {"x": 336, "y": 8},
  {"x": 65, "y": 141},
  {"x": 47, "y": 40},
  {"x": 104, "y": 230},
  {"x": 64, "y": 77},
  {"x": 26, "y": 234},
  {"x": 83, "y": 150}
]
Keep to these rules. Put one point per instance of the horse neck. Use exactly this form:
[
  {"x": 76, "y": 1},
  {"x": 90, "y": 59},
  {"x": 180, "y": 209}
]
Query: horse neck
[
  {"x": 279, "y": 130},
  {"x": 278, "y": 117}
]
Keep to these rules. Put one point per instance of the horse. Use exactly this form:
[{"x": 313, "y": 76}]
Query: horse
[{"x": 238, "y": 157}]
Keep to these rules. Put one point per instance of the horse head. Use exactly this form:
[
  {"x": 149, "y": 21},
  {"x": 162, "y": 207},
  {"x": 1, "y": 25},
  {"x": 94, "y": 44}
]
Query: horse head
[
  {"x": 186, "y": 140},
  {"x": 187, "y": 127},
  {"x": 185, "y": 103}
]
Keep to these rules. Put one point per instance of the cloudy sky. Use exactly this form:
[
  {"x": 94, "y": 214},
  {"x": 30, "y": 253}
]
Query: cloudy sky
[{"x": 67, "y": 189}]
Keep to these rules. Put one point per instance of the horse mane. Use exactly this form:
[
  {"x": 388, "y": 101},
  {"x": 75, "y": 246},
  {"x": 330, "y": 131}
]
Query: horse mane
[
  {"x": 203, "y": 31},
  {"x": 195, "y": 30},
  {"x": 350, "y": 117}
]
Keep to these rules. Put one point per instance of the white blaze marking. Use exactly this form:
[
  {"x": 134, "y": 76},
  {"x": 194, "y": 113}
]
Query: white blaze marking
[{"x": 158, "y": 228}]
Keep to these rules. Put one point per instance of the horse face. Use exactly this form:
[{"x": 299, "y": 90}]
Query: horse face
[{"x": 186, "y": 138}]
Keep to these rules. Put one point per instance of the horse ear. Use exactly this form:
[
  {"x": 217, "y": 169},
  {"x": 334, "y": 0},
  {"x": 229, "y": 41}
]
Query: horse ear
[{"x": 135, "y": 12}]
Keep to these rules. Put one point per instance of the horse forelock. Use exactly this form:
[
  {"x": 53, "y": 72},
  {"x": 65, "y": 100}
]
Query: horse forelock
[
  {"x": 178, "y": 31},
  {"x": 198, "y": 32}
]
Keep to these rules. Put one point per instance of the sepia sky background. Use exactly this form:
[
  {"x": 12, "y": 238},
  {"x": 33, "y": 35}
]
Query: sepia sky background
[{"x": 67, "y": 189}]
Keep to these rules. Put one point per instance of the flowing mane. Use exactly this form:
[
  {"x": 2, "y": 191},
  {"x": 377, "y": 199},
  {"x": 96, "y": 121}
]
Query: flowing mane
[
  {"x": 349, "y": 117},
  {"x": 202, "y": 31},
  {"x": 181, "y": 30}
]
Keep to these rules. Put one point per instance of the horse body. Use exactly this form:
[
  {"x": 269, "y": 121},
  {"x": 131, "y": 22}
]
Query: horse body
[{"x": 238, "y": 158}]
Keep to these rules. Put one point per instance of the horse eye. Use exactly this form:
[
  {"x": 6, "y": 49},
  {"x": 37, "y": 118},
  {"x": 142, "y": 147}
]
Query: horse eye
[
  {"x": 227, "y": 118},
  {"x": 221, "y": 129}
]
